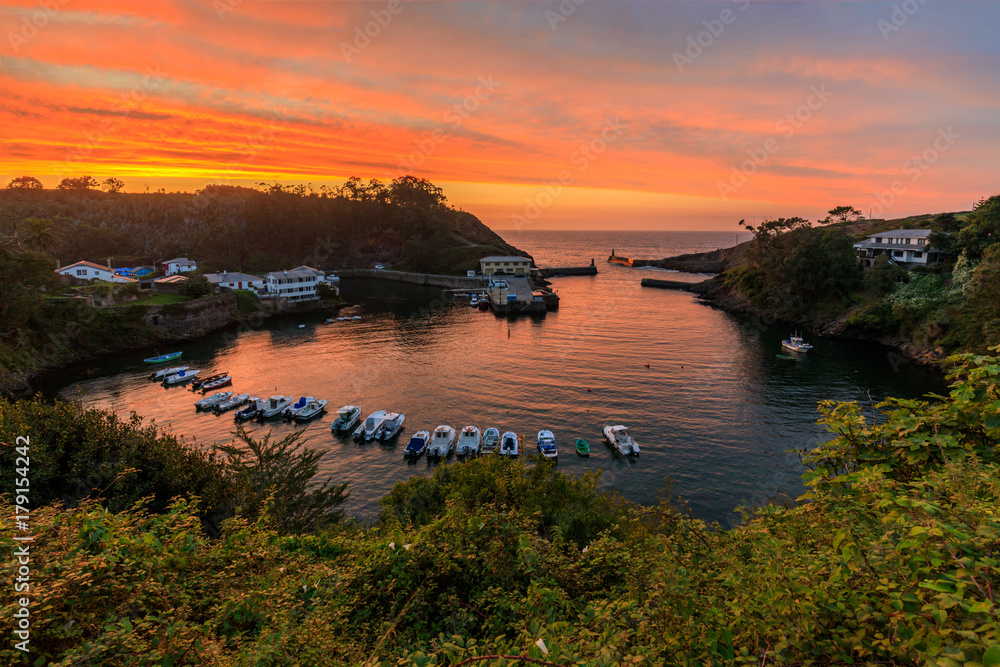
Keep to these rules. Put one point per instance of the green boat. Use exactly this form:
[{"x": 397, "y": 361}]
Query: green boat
[
  {"x": 582, "y": 448},
  {"x": 163, "y": 358}
]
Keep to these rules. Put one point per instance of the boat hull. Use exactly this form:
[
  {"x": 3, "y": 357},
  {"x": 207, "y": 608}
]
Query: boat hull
[{"x": 163, "y": 358}]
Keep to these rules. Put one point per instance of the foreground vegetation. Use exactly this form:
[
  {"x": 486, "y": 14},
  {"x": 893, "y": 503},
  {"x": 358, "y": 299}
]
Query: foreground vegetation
[{"x": 891, "y": 558}]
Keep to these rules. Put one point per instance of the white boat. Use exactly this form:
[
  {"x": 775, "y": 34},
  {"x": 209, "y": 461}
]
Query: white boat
[
  {"x": 372, "y": 425},
  {"x": 796, "y": 344},
  {"x": 347, "y": 417},
  {"x": 468, "y": 441},
  {"x": 442, "y": 442},
  {"x": 510, "y": 444},
  {"x": 474, "y": 301},
  {"x": 547, "y": 444},
  {"x": 181, "y": 378},
  {"x": 210, "y": 402},
  {"x": 491, "y": 438},
  {"x": 333, "y": 279},
  {"x": 312, "y": 409},
  {"x": 166, "y": 372},
  {"x": 618, "y": 437},
  {"x": 231, "y": 402},
  {"x": 391, "y": 427},
  {"x": 290, "y": 411},
  {"x": 254, "y": 406},
  {"x": 330, "y": 320},
  {"x": 417, "y": 444},
  {"x": 274, "y": 406},
  {"x": 356, "y": 318}
]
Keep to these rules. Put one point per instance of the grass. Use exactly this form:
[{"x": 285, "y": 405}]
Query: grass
[{"x": 161, "y": 300}]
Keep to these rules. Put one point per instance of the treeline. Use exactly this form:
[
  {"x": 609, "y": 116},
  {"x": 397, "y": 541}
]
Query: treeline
[
  {"x": 406, "y": 222},
  {"x": 889, "y": 560}
]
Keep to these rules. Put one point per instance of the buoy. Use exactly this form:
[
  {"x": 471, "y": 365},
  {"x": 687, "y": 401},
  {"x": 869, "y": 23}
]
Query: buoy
[{"x": 647, "y": 365}]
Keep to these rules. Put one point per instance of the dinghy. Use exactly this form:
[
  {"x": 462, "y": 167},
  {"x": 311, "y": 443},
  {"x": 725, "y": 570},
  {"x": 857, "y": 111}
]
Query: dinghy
[
  {"x": 231, "y": 402},
  {"x": 582, "y": 448},
  {"x": 162, "y": 358},
  {"x": 200, "y": 382},
  {"x": 491, "y": 438},
  {"x": 163, "y": 373},
  {"x": 547, "y": 444},
  {"x": 210, "y": 402},
  {"x": 223, "y": 381},
  {"x": 510, "y": 444},
  {"x": 468, "y": 441}
]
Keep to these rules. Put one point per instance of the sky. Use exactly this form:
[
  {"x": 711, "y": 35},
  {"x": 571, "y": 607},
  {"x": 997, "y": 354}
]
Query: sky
[{"x": 579, "y": 114}]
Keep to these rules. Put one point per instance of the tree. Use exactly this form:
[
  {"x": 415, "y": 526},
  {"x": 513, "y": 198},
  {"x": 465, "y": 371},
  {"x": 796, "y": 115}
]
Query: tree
[
  {"x": 114, "y": 185},
  {"x": 981, "y": 229},
  {"x": 275, "y": 476},
  {"x": 413, "y": 191},
  {"x": 80, "y": 183},
  {"x": 843, "y": 214},
  {"x": 25, "y": 183},
  {"x": 943, "y": 232},
  {"x": 42, "y": 234},
  {"x": 197, "y": 287}
]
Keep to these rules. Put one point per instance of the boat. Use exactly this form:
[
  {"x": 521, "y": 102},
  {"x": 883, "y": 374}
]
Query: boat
[
  {"x": 255, "y": 405},
  {"x": 618, "y": 437},
  {"x": 223, "y": 381},
  {"x": 510, "y": 444},
  {"x": 330, "y": 320},
  {"x": 274, "y": 406},
  {"x": 582, "y": 448},
  {"x": 200, "y": 382},
  {"x": 210, "y": 402},
  {"x": 182, "y": 377},
  {"x": 391, "y": 427},
  {"x": 372, "y": 425},
  {"x": 163, "y": 358},
  {"x": 231, "y": 402},
  {"x": 491, "y": 438},
  {"x": 356, "y": 318},
  {"x": 165, "y": 372},
  {"x": 442, "y": 442},
  {"x": 290, "y": 411},
  {"x": 312, "y": 409},
  {"x": 474, "y": 301},
  {"x": 302, "y": 326},
  {"x": 417, "y": 444},
  {"x": 796, "y": 344},
  {"x": 484, "y": 304},
  {"x": 468, "y": 441},
  {"x": 347, "y": 417},
  {"x": 547, "y": 444}
]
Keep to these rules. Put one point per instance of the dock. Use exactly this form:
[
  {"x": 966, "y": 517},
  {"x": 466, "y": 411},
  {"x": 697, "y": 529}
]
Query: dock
[
  {"x": 569, "y": 271},
  {"x": 514, "y": 294},
  {"x": 698, "y": 287}
]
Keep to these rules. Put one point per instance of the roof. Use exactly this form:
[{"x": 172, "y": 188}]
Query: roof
[
  {"x": 504, "y": 258},
  {"x": 179, "y": 260},
  {"x": 301, "y": 272},
  {"x": 171, "y": 279},
  {"x": 903, "y": 233},
  {"x": 232, "y": 277},
  {"x": 84, "y": 263},
  {"x": 309, "y": 268}
]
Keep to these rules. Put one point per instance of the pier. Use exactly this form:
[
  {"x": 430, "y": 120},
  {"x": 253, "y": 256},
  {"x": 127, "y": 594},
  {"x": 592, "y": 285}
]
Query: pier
[
  {"x": 428, "y": 279},
  {"x": 698, "y": 288},
  {"x": 569, "y": 271},
  {"x": 514, "y": 294}
]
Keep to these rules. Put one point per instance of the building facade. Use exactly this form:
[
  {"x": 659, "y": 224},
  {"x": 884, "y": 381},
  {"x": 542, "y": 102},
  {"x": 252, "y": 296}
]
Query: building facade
[
  {"x": 90, "y": 271},
  {"x": 906, "y": 247},
  {"x": 236, "y": 280},
  {"x": 180, "y": 265},
  {"x": 297, "y": 284},
  {"x": 505, "y": 265}
]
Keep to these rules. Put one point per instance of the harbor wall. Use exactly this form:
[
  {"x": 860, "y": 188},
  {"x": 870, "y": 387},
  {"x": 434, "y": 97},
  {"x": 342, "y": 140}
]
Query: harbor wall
[
  {"x": 568, "y": 271},
  {"x": 192, "y": 318},
  {"x": 697, "y": 288},
  {"x": 427, "y": 279}
]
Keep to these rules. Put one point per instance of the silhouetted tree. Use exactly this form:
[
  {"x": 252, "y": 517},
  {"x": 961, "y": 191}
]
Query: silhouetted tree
[
  {"x": 80, "y": 183},
  {"x": 114, "y": 185},
  {"x": 25, "y": 183}
]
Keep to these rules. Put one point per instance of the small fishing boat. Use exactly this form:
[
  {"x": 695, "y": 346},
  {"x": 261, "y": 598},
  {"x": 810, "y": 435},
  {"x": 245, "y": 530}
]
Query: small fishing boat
[
  {"x": 372, "y": 425},
  {"x": 166, "y": 372},
  {"x": 223, "y": 381},
  {"x": 468, "y": 441},
  {"x": 312, "y": 409},
  {"x": 231, "y": 402},
  {"x": 618, "y": 437},
  {"x": 200, "y": 382},
  {"x": 163, "y": 358},
  {"x": 330, "y": 320},
  {"x": 302, "y": 326},
  {"x": 510, "y": 444},
  {"x": 582, "y": 448},
  {"x": 491, "y": 438},
  {"x": 417, "y": 444},
  {"x": 796, "y": 344},
  {"x": 274, "y": 406},
  {"x": 290, "y": 411},
  {"x": 182, "y": 377},
  {"x": 347, "y": 417},
  {"x": 547, "y": 444},
  {"x": 391, "y": 427},
  {"x": 256, "y": 404},
  {"x": 442, "y": 442},
  {"x": 484, "y": 304},
  {"x": 356, "y": 318},
  {"x": 474, "y": 301},
  {"x": 210, "y": 402}
]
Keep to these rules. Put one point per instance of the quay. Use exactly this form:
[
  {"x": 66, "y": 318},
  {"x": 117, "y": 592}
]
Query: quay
[
  {"x": 513, "y": 294},
  {"x": 568, "y": 271},
  {"x": 698, "y": 288},
  {"x": 428, "y": 279}
]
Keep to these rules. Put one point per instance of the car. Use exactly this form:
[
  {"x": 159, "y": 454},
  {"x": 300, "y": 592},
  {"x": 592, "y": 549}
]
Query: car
[{"x": 379, "y": 267}]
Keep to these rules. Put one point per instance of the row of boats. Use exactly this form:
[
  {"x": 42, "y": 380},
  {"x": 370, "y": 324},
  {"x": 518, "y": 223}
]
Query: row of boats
[{"x": 185, "y": 375}]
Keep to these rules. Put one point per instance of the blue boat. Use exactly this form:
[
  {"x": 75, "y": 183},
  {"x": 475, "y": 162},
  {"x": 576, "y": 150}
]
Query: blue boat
[
  {"x": 417, "y": 444},
  {"x": 163, "y": 357}
]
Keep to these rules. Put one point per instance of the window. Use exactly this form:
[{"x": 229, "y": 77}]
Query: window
[
  {"x": 81, "y": 272},
  {"x": 897, "y": 253},
  {"x": 917, "y": 254},
  {"x": 878, "y": 240}
]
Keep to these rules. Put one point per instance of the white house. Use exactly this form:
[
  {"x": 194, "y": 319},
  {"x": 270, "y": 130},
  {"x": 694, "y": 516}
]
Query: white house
[
  {"x": 906, "y": 247},
  {"x": 298, "y": 284},
  {"x": 236, "y": 280},
  {"x": 179, "y": 265},
  {"x": 497, "y": 264},
  {"x": 90, "y": 271}
]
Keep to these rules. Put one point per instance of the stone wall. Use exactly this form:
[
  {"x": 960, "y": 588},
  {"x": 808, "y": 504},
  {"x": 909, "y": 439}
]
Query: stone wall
[
  {"x": 428, "y": 279},
  {"x": 193, "y": 318}
]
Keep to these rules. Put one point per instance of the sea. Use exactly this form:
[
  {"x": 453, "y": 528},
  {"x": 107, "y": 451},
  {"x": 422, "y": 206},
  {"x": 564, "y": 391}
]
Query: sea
[{"x": 719, "y": 411}]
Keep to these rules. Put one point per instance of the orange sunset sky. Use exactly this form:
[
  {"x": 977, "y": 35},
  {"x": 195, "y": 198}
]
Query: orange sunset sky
[{"x": 596, "y": 115}]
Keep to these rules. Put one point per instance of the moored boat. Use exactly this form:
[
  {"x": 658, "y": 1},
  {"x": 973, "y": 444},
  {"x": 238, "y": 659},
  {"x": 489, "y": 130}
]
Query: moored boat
[
  {"x": 442, "y": 442},
  {"x": 582, "y": 448},
  {"x": 200, "y": 382},
  {"x": 347, "y": 417},
  {"x": 547, "y": 444},
  {"x": 468, "y": 441},
  {"x": 223, "y": 381},
  {"x": 371, "y": 426},
  {"x": 311, "y": 410},
  {"x": 619, "y": 438},
  {"x": 166, "y": 372},
  {"x": 231, "y": 402},
  {"x": 392, "y": 425},
  {"x": 289, "y": 412},
  {"x": 417, "y": 444},
  {"x": 210, "y": 402},
  {"x": 254, "y": 406},
  {"x": 163, "y": 358},
  {"x": 491, "y": 438},
  {"x": 510, "y": 444},
  {"x": 796, "y": 344},
  {"x": 182, "y": 377},
  {"x": 274, "y": 406}
]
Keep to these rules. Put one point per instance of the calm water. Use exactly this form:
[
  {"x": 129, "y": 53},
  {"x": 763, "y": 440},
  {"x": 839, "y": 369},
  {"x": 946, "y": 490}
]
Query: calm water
[{"x": 704, "y": 393}]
